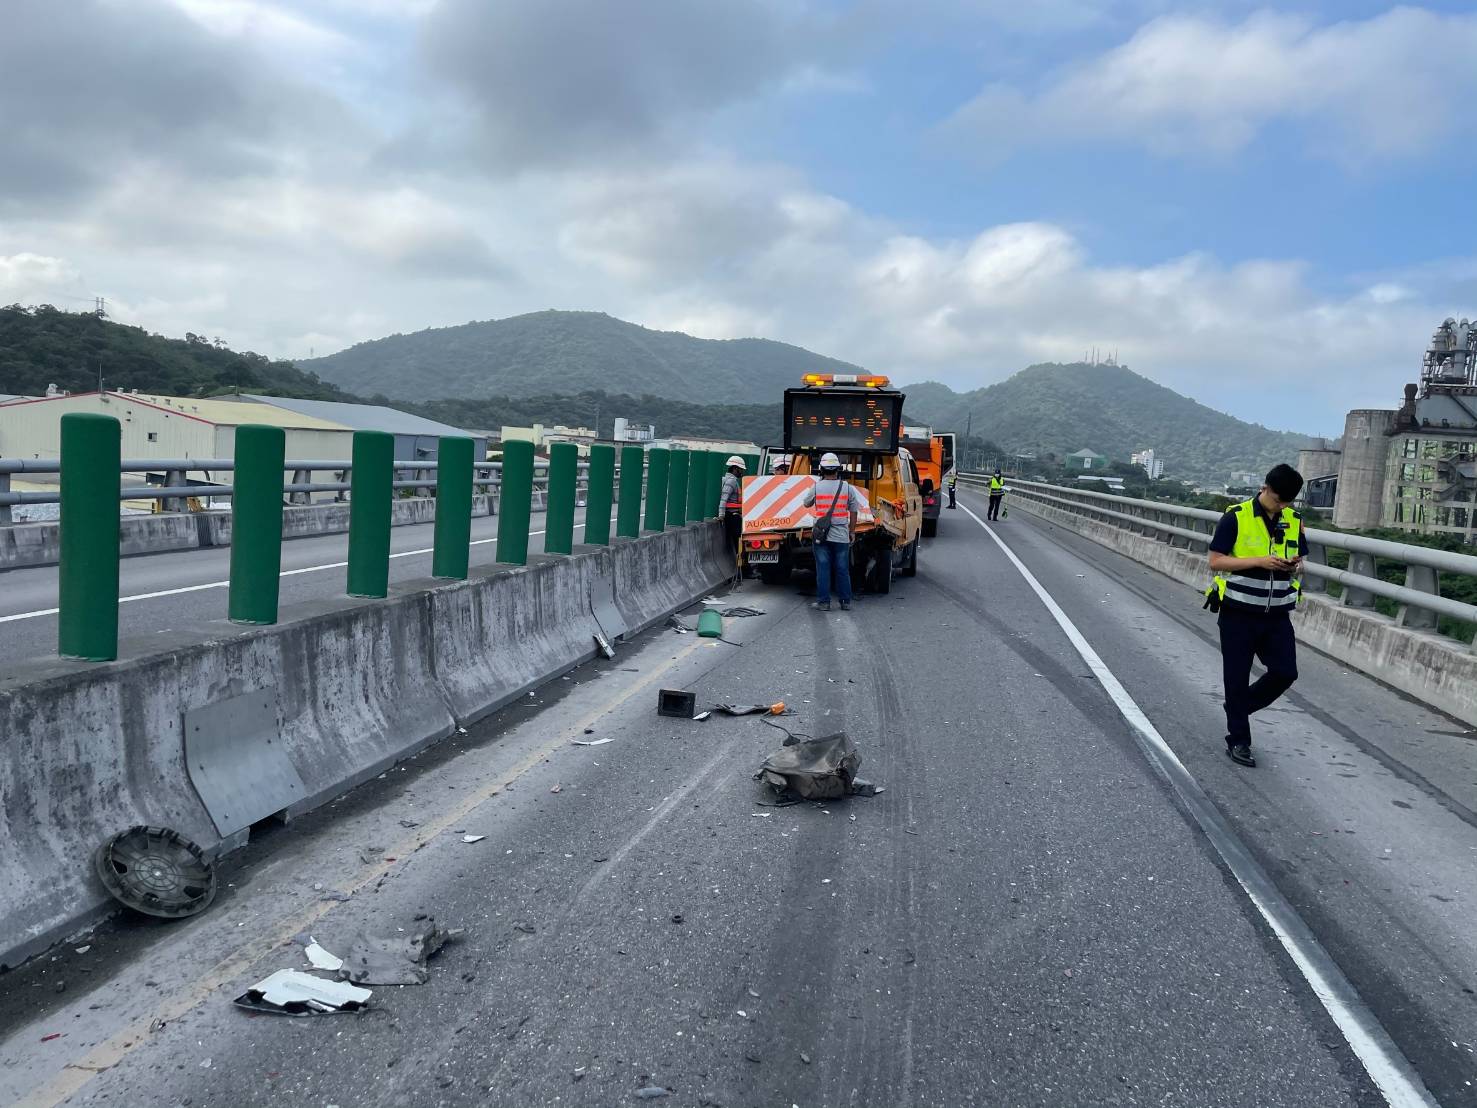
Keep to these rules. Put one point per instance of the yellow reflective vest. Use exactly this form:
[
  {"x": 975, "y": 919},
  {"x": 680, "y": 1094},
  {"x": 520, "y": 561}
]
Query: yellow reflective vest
[
  {"x": 1261, "y": 590},
  {"x": 997, "y": 486}
]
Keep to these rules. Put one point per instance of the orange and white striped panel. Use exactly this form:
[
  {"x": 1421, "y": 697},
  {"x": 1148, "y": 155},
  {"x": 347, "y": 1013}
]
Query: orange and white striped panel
[{"x": 777, "y": 503}]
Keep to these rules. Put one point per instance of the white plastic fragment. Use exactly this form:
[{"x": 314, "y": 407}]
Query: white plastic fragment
[
  {"x": 321, "y": 958},
  {"x": 473, "y": 838}
]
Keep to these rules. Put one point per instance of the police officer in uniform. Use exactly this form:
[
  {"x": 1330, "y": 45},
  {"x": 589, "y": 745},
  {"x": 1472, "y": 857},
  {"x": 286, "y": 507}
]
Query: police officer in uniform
[
  {"x": 953, "y": 481},
  {"x": 1256, "y": 550},
  {"x": 997, "y": 494}
]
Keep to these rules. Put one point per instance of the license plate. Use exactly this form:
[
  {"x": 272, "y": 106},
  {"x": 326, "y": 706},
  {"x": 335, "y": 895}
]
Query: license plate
[{"x": 762, "y": 557}]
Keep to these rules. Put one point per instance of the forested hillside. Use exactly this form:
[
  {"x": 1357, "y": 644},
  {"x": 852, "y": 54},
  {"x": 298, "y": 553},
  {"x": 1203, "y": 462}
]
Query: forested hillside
[
  {"x": 43, "y": 346},
  {"x": 570, "y": 353}
]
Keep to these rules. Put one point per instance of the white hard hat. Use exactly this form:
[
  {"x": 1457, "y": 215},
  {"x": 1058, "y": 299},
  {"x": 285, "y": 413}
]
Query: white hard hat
[
  {"x": 735, "y": 460},
  {"x": 830, "y": 461},
  {"x": 781, "y": 460}
]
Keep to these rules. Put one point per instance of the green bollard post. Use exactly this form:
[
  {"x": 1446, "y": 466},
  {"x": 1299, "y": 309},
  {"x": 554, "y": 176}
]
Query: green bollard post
[
  {"x": 600, "y": 494},
  {"x": 371, "y": 485},
  {"x": 677, "y": 489},
  {"x": 657, "y": 473},
  {"x": 256, "y": 524},
  {"x": 716, "y": 470},
  {"x": 628, "y": 519},
  {"x": 564, "y": 459},
  {"x": 87, "y": 573},
  {"x": 697, "y": 482},
  {"x": 515, "y": 503},
  {"x": 451, "y": 547}
]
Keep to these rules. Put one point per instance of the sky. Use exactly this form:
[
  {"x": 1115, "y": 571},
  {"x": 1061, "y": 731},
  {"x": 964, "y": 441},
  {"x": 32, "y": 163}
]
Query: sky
[{"x": 1268, "y": 208}]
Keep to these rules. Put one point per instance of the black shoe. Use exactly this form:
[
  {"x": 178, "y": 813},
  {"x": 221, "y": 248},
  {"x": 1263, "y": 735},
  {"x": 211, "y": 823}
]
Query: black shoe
[
  {"x": 1241, "y": 754},
  {"x": 846, "y": 605},
  {"x": 819, "y": 607}
]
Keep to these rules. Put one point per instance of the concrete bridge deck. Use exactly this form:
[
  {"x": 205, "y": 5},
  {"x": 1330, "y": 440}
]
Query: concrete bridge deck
[{"x": 1027, "y": 915}]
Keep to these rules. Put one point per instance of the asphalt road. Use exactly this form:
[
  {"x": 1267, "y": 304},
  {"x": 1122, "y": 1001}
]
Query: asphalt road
[
  {"x": 188, "y": 587},
  {"x": 1026, "y": 916}
]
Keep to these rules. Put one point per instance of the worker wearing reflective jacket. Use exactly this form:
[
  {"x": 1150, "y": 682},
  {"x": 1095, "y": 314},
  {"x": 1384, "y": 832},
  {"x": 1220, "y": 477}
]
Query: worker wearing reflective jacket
[
  {"x": 1256, "y": 550},
  {"x": 997, "y": 494},
  {"x": 731, "y": 501}
]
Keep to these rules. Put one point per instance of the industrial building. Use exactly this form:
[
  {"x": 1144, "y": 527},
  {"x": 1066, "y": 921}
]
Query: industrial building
[
  {"x": 1414, "y": 468},
  {"x": 416, "y": 437},
  {"x": 1085, "y": 459}
]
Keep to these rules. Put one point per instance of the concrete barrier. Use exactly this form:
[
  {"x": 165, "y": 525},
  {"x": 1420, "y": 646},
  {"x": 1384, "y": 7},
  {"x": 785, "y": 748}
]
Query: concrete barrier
[
  {"x": 356, "y": 686},
  {"x": 1433, "y": 669},
  {"x": 37, "y": 544}
]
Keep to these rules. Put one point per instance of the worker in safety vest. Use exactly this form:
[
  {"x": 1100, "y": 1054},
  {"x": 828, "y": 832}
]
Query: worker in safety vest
[
  {"x": 997, "y": 494},
  {"x": 953, "y": 481},
  {"x": 1255, "y": 553},
  {"x": 731, "y": 501},
  {"x": 836, "y": 504}
]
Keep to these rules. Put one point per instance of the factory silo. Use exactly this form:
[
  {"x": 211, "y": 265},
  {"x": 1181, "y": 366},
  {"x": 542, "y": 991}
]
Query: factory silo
[{"x": 1362, "y": 468}]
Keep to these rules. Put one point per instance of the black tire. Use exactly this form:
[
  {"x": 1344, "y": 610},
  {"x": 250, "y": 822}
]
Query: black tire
[
  {"x": 882, "y": 571},
  {"x": 775, "y": 575},
  {"x": 910, "y": 569},
  {"x": 930, "y": 527}
]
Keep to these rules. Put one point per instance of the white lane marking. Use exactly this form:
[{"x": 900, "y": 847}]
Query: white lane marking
[
  {"x": 1387, "y": 1067},
  {"x": 222, "y": 584}
]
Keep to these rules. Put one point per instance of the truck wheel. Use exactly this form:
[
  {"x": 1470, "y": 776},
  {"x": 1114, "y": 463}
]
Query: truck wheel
[
  {"x": 775, "y": 575},
  {"x": 882, "y": 571},
  {"x": 930, "y": 527},
  {"x": 910, "y": 568}
]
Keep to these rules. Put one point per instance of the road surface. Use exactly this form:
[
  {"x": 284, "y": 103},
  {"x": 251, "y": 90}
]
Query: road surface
[{"x": 1026, "y": 916}]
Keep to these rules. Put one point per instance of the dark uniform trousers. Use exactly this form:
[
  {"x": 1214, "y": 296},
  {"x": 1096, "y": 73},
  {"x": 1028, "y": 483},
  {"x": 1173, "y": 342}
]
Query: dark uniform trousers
[{"x": 1268, "y": 637}]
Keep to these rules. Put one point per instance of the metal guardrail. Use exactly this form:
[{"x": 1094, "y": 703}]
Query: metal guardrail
[
  {"x": 1419, "y": 598},
  {"x": 175, "y": 488}
]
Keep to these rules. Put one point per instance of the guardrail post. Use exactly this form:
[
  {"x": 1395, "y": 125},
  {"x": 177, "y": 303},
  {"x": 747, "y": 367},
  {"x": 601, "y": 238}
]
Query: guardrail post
[
  {"x": 715, "y": 483},
  {"x": 600, "y": 494},
  {"x": 564, "y": 458},
  {"x": 697, "y": 483},
  {"x": 628, "y": 522},
  {"x": 87, "y": 571},
  {"x": 6, "y": 516},
  {"x": 677, "y": 489},
  {"x": 452, "y": 542},
  {"x": 657, "y": 475},
  {"x": 371, "y": 485},
  {"x": 301, "y": 477},
  {"x": 172, "y": 479},
  {"x": 1353, "y": 597},
  {"x": 256, "y": 524},
  {"x": 1426, "y": 580},
  {"x": 1315, "y": 553},
  {"x": 515, "y": 503}
]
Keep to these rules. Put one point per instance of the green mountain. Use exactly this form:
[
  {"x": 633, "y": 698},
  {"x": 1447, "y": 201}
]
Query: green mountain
[
  {"x": 42, "y": 346},
  {"x": 1109, "y": 409},
  {"x": 569, "y": 353}
]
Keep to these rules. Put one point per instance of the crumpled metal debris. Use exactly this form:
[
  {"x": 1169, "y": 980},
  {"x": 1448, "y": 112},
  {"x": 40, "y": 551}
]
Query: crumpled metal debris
[
  {"x": 295, "y": 993},
  {"x": 741, "y": 611},
  {"x": 321, "y": 958},
  {"x": 815, "y": 769},
  {"x": 396, "y": 959},
  {"x": 776, "y": 709}
]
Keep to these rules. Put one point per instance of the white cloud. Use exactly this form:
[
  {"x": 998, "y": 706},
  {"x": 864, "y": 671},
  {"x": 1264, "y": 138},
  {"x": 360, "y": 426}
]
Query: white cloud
[
  {"x": 27, "y": 277},
  {"x": 1383, "y": 88}
]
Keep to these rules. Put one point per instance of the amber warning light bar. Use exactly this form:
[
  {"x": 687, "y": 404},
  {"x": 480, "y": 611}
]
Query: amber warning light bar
[{"x": 871, "y": 380}]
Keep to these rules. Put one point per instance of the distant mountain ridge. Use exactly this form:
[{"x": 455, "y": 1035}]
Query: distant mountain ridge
[
  {"x": 1060, "y": 408},
  {"x": 567, "y": 353}
]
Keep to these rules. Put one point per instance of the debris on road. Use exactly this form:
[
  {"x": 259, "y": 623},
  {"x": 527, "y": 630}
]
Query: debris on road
[
  {"x": 701, "y": 716},
  {"x": 371, "y": 854},
  {"x": 775, "y": 709},
  {"x": 677, "y": 625},
  {"x": 651, "y": 1092},
  {"x": 334, "y": 894},
  {"x": 321, "y": 958},
  {"x": 591, "y": 742},
  {"x": 556, "y": 788},
  {"x": 473, "y": 838},
  {"x": 816, "y": 769},
  {"x": 603, "y": 645},
  {"x": 676, "y": 703},
  {"x": 398, "y": 959},
  {"x": 408, "y": 823},
  {"x": 741, "y": 612},
  {"x": 156, "y": 871},
  {"x": 295, "y": 993}
]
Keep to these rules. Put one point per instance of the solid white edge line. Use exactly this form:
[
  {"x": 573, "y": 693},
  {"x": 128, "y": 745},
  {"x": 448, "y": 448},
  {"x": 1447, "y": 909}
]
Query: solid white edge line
[
  {"x": 1386, "y": 1065},
  {"x": 222, "y": 584}
]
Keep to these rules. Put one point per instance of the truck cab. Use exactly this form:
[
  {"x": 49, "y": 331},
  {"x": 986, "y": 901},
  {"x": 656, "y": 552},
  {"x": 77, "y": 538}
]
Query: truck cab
[{"x": 856, "y": 418}]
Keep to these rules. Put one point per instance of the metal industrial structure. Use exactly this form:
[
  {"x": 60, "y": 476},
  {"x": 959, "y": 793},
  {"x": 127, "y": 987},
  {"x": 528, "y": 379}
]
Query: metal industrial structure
[{"x": 1414, "y": 468}]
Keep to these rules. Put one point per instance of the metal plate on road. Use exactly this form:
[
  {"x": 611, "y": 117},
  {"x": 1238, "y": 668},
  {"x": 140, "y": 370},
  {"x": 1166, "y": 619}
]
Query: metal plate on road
[
  {"x": 236, "y": 761},
  {"x": 761, "y": 557},
  {"x": 607, "y": 615}
]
